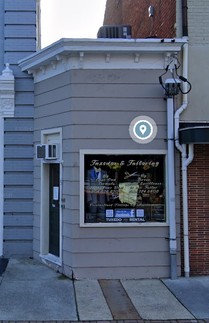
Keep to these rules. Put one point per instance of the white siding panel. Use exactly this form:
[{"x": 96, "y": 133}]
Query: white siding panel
[
  {"x": 18, "y": 221},
  {"x": 116, "y": 104},
  {"x": 24, "y": 98},
  {"x": 133, "y": 245},
  {"x": 18, "y": 125},
  {"x": 113, "y": 233},
  {"x": 20, "y": 5},
  {"x": 20, "y": 18},
  {"x": 138, "y": 76},
  {"x": 19, "y": 32},
  {"x": 16, "y": 44},
  {"x": 124, "y": 272},
  {"x": 19, "y": 138},
  {"x": 18, "y": 165},
  {"x": 25, "y": 111},
  {"x": 105, "y": 132},
  {"x": 109, "y": 117},
  {"x": 14, "y": 57},
  {"x": 18, "y": 206},
  {"x": 18, "y": 193},
  {"x": 18, "y": 248},
  {"x": 18, "y": 233},
  {"x": 17, "y": 178},
  {"x": 112, "y": 91},
  {"x": 110, "y": 259},
  {"x": 114, "y": 144},
  {"x": 18, "y": 152},
  {"x": 24, "y": 84}
]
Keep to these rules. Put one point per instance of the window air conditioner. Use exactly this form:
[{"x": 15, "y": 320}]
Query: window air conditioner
[{"x": 48, "y": 152}]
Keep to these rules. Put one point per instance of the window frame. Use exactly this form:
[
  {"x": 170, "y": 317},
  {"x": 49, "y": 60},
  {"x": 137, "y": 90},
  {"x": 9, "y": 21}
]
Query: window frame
[{"x": 138, "y": 152}]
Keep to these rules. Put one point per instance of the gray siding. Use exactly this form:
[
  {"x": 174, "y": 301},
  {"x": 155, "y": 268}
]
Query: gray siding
[
  {"x": 94, "y": 109},
  {"x": 19, "y": 41},
  {"x": 1, "y": 34}
]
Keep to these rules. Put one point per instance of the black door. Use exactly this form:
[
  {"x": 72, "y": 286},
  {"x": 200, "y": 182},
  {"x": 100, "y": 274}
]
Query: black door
[{"x": 54, "y": 209}]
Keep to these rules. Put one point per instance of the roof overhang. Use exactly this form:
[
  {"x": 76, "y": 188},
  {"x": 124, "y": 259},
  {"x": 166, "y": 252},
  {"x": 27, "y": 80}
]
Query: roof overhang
[
  {"x": 195, "y": 135},
  {"x": 101, "y": 53}
]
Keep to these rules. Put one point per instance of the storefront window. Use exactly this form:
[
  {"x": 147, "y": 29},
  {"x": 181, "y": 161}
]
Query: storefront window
[{"x": 124, "y": 188}]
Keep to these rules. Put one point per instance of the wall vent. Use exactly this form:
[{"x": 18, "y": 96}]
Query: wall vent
[
  {"x": 114, "y": 31},
  {"x": 48, "y": 152}
]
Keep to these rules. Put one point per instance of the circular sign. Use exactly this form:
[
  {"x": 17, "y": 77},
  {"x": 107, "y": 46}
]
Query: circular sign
[{"x": 143, "y": 129}]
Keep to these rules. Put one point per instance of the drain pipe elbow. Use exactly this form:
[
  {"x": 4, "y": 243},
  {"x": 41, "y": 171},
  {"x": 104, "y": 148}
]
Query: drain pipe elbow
[
  {"x": 185, "y": 98},
  {"x": 176, "y": 123},
  {"x": 190, "y": 155}
]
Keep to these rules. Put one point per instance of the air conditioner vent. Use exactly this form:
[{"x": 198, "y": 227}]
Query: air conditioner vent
[
  {"x": 114, "y": 31},
  {"x": 48, "y": 152},
  {"x": 40, "y": 151}
]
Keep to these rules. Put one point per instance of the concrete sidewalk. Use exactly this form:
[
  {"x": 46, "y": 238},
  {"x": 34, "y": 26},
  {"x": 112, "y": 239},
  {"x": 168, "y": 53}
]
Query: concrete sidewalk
[{"x": 30, "y": 291}]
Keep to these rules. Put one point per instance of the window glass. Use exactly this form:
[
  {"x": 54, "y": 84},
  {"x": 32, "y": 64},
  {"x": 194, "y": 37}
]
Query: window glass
[{"x": 124, "y": 188}]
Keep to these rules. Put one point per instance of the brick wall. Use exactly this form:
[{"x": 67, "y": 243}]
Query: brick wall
[
  {"x": 198, "y": 202},
  {"x": 135, "y": 13}
]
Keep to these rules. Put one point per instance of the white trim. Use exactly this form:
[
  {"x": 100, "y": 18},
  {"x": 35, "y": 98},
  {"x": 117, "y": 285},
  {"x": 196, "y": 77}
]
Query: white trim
[
  {"x": 122, "y": 151},
  {"x": 84, "y": 152},
  {"x": 49, "y": 136},
  {"x": 49, "y": 132},
  {"x": 68, "y": 54},
  {"x": 100, "y": 45},
  {"x": 51, "y": 258},
  {"x": 7, "y": 93}
]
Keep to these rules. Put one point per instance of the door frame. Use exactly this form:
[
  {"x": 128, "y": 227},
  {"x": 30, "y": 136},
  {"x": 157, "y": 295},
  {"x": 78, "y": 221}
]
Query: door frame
[{"x": 49, "y": 136}]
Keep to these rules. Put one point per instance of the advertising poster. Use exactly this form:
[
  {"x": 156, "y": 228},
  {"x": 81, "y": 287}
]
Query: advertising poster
[{"x": 124, "y": 188}]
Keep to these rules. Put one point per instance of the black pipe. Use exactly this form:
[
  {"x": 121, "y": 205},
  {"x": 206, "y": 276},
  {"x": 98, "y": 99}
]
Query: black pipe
[{"x": 184, "y": 18}]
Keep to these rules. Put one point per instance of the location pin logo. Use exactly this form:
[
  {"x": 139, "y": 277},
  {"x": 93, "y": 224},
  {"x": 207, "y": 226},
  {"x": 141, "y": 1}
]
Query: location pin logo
[{"x": 143, "y": 129}]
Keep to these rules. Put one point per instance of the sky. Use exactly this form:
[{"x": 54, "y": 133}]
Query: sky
[{"x": 70, "y": 19}]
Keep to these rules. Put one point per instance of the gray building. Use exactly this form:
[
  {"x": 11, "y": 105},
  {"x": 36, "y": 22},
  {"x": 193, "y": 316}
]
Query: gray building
[{"x": 103, "y": 181}]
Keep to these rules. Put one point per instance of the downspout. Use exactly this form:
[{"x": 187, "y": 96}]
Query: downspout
[
  {"x": 185, "y": 98},
  {"x": 184, "y": 18},
  {"x": 171, "y": 188},
  {"x": 185, "y": 161}
]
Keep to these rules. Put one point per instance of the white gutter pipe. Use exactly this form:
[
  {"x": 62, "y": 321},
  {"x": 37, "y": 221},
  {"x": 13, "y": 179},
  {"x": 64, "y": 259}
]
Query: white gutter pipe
[
  {"x": 185, "y": 162},
  {"x": 185, "y": 98}
]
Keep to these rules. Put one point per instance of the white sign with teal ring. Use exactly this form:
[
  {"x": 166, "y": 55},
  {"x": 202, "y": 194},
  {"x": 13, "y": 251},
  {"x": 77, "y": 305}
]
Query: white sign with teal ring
[{"x": 143, "y": 129}]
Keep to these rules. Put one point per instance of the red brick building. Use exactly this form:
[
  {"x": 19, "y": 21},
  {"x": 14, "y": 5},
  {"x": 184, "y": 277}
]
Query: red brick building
[
  {"x": 160, "y": 19},
  {"x": 198, "y": 204},
  {"x": 149, "y": 19}
]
